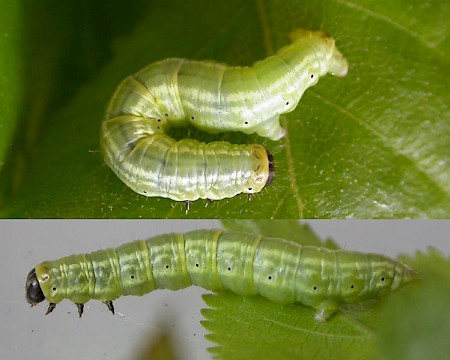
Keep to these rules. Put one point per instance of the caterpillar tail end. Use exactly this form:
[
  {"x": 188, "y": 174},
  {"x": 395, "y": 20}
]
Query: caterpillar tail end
[
  {"x": 403, "y": 275},
  {"x": 338, "y": 64}
]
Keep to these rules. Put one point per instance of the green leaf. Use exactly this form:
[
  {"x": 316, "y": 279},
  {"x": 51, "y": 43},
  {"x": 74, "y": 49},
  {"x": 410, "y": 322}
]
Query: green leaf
[
  {"x": 374, "y": 144},
  {"x": 394, "y": 328},
  {"x": 255, "y": 328},
  {"x": 429, "y": 264},
  {"x": 11, "y": 76},
  {"x": 423, "y": 332}
]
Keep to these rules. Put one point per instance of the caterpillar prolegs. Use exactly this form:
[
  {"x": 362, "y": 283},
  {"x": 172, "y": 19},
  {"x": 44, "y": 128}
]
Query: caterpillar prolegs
[
  {"x": 247, "y": 264},
  {"x": 213, "y": 97}
]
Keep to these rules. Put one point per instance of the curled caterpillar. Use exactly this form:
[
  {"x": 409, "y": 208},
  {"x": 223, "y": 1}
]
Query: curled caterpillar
[
  {"x": 247, "y": 264},
  {"x": 213, "y": 97}
]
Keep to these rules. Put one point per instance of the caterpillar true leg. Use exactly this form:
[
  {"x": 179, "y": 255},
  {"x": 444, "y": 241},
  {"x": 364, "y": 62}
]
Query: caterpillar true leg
[
  {"x": 80, "y": 309},
  {"x": 110, "y": 306},
  {"x": 51, "y": 307}
]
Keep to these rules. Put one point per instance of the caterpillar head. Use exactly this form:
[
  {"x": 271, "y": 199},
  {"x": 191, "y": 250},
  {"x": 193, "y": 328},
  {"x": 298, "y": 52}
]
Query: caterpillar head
[
  {"x": 33, "y": 291},
  {"x": 271, "y": 169}
]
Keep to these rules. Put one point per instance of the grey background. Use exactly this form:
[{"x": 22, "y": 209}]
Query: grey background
[{"x": 27, "y": 334}]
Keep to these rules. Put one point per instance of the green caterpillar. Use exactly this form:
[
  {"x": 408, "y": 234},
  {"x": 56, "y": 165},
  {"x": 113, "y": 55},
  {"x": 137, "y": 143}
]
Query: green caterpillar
[
  {"x": 247, "y": 264},
  {"x": 213, "y": 97}
]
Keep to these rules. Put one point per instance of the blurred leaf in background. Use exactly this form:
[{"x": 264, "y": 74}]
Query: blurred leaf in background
[
  {"x": 424, "y": 330},
  {"x": 11, "y": 73},
  {"x": 159, "y": 348},
  {"x": 375, "y": 144}
]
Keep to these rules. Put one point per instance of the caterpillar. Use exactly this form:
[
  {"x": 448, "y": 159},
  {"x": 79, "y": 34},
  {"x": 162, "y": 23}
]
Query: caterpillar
[
  {"x": 248, "y": 264},
  {"x": 213, "y": 97}
]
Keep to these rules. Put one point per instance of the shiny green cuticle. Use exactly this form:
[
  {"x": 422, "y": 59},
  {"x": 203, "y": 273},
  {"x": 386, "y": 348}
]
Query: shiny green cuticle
[{"x": 212, "y": 97}]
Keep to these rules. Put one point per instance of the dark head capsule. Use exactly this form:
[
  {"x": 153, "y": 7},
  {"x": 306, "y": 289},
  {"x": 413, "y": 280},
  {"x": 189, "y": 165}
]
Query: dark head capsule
[{"x": 33, "y": 291}]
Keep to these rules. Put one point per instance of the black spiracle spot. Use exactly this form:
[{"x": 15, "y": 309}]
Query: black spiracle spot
[
  {"x": 315, "y": 287},
  {"x": 312, "y": 76},
  {"x": 167, "y": 266},
  {"x": 270, "y": 277},
  {"x": 382, "y": 279},
  {"x": 54, "y": 288},
  {"x": 229, "y": 269},
  {"x": 132, "y": 277},
  {"x": 352, "y": 286},
  {"x": 287, "y": 103},
  {"x": 197, "y": 265}
]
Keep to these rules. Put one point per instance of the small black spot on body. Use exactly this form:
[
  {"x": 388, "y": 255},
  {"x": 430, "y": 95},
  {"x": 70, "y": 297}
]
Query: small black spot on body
[
  {"x": 287, "y": 103},
  {"x": 352, "y": 286},
  {"x": 382, "y": 279},
  {"x": 192, "y": 117},
  {"x": 312, "y": 76},
  {"x": 196, "y": 265},
  {"x": 167, "y": 266},
  {"x": 315, "y": 287},
  {"x": 229, "y": 269},
  {"x": 53, "y": 288},
  {"x": 132, "y": 276},
  {"x": 250, "y": 189},
  {"x": 270, "y": 277}
]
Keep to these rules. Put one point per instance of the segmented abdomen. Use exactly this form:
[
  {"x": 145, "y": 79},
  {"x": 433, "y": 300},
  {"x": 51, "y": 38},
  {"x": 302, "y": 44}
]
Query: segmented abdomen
[
  {"x": 247, "y": 264},
  {"x": 189, "y": 169}
]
